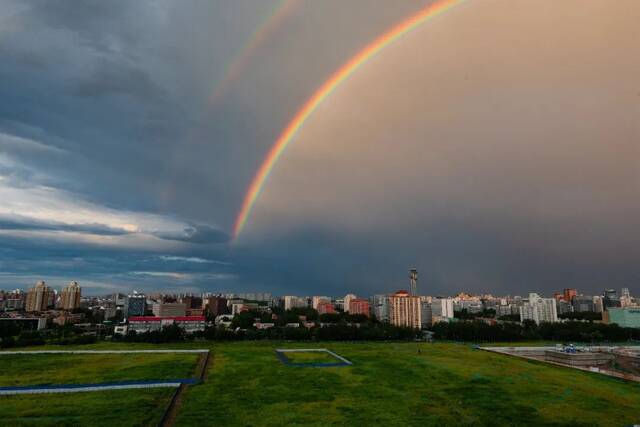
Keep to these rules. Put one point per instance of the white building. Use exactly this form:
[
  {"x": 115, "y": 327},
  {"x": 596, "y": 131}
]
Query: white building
[
  {"x": 539, "y": 309},
  {"x": 380, "y": 307},
  {"x": 441, "y": 309},
  {"x": 291, "y": 301},
  {"x": 190, "y": 324},
  {"x": 319, "y": 300},
  {"x": 347, "y": 301}
]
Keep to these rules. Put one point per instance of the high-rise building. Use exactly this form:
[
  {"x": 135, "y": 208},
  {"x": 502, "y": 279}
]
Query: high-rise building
[
  {"x": 539, "y": 309},
  {"x": 347, "y": 301},
  {"x": 611, "y": 298},
  {"x": 325, "y": 308},
  {"x": 380, "y": 307},
  {"x": 359, "y": 306},
  {"x": 216, "y": 305},
  {"x": 70, "y": 296},
  {"x": 315, "y": 300},
  {"x": 568, "y": 294},
  {"x": 625, "y": 298},
  {"x": 441, "y": 309},
  {"x": 291, "y": 301},
  {"x": 405, "y": 310},
  {"x": 426, "y": 314},
  {"x": 136, "y": 305},
  {"x": 598, "y": 305},
  {"x": 583, "y": 303},
  {"x": 38, "y": 297}
]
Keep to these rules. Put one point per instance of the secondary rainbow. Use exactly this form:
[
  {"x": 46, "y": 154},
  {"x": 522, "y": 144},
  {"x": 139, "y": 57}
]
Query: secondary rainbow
[
  {"x": 240, "y": 61},
  {"x": 259, "y": 179}
]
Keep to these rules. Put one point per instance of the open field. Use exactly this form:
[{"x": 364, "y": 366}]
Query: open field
[
  {"x": 389, "y": 384},
  {"x": 402, "y": 384},
  {"x": 40, "y": 369},
  {"x": 310, "y": 357},
  {"x": 103, "y": 408}
]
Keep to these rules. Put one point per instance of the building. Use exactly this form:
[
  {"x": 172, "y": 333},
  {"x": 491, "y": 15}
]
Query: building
[
  {"x": 624, "y": 317},
  {"x": 582, "y": 303},
  {"x": 25, "y": 323},
  {"x": 426, "y": 314},
  {"x": 169, "y": 309},
  {"x": 70, "y": 296},
  {"x": 38, "y": 297},
  {"x": 190, "y": 324},
  {"x": 568, "y": 294},
  {"x": 611, "y": 298},
  {"x": 291, "y": 301},
  {"x": 598, "y": 304},
  {"x": 405, "y": 310},
  {"x": 347, "y": 301},
  {"x": 216, "y": 305},
  {"x": 326, "y": 308},
  {"x": 318, "y": 300},
  {"x": 441, "y": 309},
  {"x": 135, "y": 305},
  {"x": 380, "y": 307},
  {"x": 539, "y": 309},
  {"x": 359, "y": 306}
]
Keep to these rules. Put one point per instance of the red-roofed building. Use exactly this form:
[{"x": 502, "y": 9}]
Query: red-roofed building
[
  {"x": 359, "y": 306},
  {"x": 190, "y": 324}
]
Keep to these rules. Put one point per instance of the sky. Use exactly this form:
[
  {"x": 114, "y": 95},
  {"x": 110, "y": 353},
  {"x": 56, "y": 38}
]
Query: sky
[{"x": 496, "y": 148}]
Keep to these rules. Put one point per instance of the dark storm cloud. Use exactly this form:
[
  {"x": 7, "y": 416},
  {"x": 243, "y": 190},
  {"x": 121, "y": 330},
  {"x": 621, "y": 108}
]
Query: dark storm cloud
[
  {"x": 114, "y": 78},
  {"x": 197, "y": 233}
]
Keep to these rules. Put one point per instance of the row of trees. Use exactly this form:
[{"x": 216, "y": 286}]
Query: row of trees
[{"x": 529, "y": 331}]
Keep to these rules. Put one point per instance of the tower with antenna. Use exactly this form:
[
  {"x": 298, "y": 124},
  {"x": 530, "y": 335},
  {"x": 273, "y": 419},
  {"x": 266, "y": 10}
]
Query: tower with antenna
[{"x": 413, "y": 276}]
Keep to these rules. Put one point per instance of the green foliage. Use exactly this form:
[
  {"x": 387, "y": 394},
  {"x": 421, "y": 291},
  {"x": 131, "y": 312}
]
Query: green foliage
[{"x": 527, "y": 331}]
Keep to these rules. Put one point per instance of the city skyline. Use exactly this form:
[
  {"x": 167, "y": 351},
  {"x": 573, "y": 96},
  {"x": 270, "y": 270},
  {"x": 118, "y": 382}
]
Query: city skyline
[{"x": 493, "y": 146}]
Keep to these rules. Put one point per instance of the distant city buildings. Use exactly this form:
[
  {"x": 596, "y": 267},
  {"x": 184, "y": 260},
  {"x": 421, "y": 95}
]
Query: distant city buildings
[
  {"x": 135, "y": 305},
  {"x": 70, "y": 296},
  {"x": 539, "y": 309},
  {"x": 38, "y": 298},
  {"x": 624, "y": 317},
  {"x": 359, "y": 306},
  {"x": 405, "y": 310}
]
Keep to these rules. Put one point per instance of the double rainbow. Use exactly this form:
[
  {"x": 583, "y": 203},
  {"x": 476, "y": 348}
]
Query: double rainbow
[{"x": 342, "y": 74}]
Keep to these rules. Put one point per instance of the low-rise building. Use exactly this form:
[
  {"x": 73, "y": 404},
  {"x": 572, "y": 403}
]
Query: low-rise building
[
  {"x": 624, "y": 317},
  {"x": 190, "y": 324},
  {"x": 169, "y": 309}
]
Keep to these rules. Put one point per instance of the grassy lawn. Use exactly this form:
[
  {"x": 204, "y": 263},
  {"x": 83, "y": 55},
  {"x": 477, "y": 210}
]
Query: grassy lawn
[
  {"x": 106, "y": 408},
  {"x": 311, "y": 357},
  {"x": 37, "y": 369},
  {"x": 402, "y": 384}
]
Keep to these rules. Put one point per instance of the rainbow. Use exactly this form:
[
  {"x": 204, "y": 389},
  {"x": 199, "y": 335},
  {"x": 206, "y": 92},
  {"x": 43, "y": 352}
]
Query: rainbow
[
  {"x": 338, "y": 77},
  {"x": 283, "y": 9}
]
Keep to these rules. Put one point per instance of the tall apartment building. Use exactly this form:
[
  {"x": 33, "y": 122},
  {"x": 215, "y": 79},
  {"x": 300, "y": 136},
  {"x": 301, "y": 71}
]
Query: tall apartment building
[
  {"x": 359, "y": 306},
  {"x": 216, "y": 305},
  {"x": 441, "y": 309},
  {"x": 70, "y": 296},
  {"x": 291, "y": 301},
  {"x": 568, "y": 294},
  {"x": 539, "y": 309},
  {"x": 38, "y": 297},
  {"x": 136, "y": 305},
  {"x": 347, "y": 301},
  {"x": 315, "y": 300},
  {"x": 380, "y": 307},
  {"x": 405, "y": 310}
]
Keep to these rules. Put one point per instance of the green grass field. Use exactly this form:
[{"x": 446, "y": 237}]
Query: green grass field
[
  {"x": 403, "y": 384},
  {"x": 390, "y": 384},
  {"x": 96, "y": 409},
  {"x": 41, "y": 369},
  {"x": 310, "y": 357}
]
